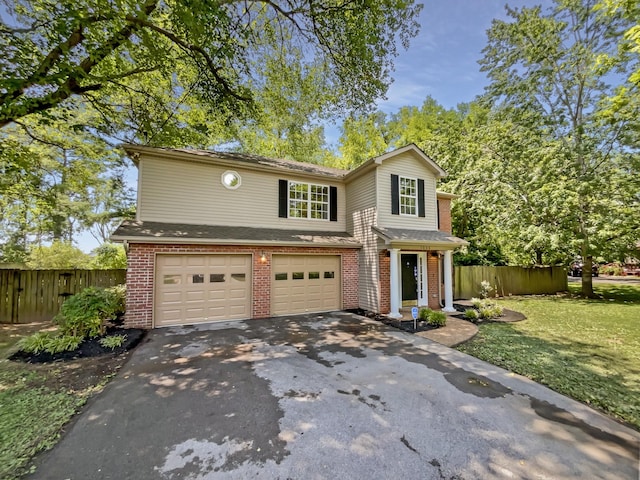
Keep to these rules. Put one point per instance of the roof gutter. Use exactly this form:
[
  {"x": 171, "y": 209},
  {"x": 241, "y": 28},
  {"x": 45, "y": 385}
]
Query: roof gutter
[{"x": 231, "y": 241}]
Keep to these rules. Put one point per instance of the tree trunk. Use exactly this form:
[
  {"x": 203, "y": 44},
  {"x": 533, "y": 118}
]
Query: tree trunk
[
  {"x": 587, "y": 279},
  {"x": 538, "y": 257}
]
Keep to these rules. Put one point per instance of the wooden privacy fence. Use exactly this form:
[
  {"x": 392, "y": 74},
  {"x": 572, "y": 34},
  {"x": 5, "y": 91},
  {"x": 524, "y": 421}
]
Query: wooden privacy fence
[
  {"x": 36, "y": 295},
  {"x": 510, "y": 280}
]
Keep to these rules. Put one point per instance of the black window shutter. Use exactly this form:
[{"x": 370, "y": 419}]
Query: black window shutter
[
  {"x": 395, "y": 195},
  {"x": 438, "y": 212},
  {"x": 283, "y": 198},
  {"x": 333, "y": 204},
  {"x": 420, "y": 197}
]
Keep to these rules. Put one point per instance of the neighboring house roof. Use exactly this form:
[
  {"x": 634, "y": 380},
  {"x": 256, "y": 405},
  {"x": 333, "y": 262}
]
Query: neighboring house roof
[
  {"x": 432, "y": 238},
  {"x": 247, "y": 160},
  {"x": 158, "y": 232}
]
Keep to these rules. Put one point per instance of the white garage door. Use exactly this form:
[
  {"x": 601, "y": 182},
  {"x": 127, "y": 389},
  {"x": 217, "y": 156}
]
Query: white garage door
[
  {"x": 305, "y": 283},
  {"x": 202, "y": 288}
]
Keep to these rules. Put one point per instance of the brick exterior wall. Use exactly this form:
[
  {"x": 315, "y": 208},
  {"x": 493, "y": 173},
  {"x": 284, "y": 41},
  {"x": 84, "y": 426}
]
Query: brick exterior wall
[
  {"x": 433, "y": 281},
  {"x": 141, "y": 269},
  {"x": 444, "y": 214},
  {"x": 385, "y": 284}
]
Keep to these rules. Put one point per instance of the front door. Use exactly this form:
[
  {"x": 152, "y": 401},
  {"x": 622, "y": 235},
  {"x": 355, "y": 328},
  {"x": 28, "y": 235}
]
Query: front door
[{"x": 409, "y": 263}]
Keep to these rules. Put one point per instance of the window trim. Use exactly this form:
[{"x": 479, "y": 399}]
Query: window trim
[
  {"x": 309, "y": 201},
  {"x": 401, "y": 196},
  {"x": 236, "y": 175}
]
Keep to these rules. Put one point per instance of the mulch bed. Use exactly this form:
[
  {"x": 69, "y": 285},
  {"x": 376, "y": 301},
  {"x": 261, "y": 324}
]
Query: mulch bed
[
  {"x": 406, "y": 325},
  {"x": 88, "y": 348}
]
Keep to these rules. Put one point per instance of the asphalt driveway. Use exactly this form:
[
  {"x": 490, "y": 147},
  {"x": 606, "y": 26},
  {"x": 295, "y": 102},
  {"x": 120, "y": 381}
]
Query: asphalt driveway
[{"x": 332, "y": 396}]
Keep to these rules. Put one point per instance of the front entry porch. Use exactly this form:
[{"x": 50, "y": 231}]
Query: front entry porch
[
  {"x": 420, "y": 278},
  {"x": 420, "y": 268}
]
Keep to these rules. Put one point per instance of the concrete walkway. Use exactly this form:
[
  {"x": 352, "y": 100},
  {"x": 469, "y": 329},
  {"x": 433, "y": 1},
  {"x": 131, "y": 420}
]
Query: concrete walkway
[
  {"x": 331, "y": 396},
  {"x": 454, "y": 333}
]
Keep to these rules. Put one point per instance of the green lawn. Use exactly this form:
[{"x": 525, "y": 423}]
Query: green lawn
[
  {"x": 36, "y": 401},
  {"x": 586, "y": 349}
]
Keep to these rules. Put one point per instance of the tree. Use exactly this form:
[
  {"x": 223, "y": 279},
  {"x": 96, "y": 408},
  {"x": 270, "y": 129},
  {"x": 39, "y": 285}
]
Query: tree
[
  {"x": 56, "y": 181},
  {"x": 551, "y": 72},
  {"x": 211, "y": 51},
  {"x": 363, "y": 137},
  {"x": 59, "y": 255},
  {"x": 109, "y": 256}
]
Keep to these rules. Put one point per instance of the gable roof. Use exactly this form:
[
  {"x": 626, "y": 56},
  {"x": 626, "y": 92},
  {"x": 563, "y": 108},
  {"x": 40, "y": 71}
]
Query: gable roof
[
  {"x": 256, "y": 162},
  {"x": 231, "y": 159},
  {"x": 437, "y": 170}
]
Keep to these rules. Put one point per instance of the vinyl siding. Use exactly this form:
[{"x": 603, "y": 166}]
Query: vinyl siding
[
  {"x": 179, "y": 191},
  {"x": 405, "y": 165},
  {"x": 361, "y": 215}
]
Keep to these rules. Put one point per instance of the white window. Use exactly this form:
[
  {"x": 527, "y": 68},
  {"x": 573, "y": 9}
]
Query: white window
[
  {"x": 408, "y": 196},
  {"x": 307, "y": 200}
]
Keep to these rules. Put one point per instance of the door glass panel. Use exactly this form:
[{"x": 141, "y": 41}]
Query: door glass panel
[
  {"x": 196, "y": 278},
  {"x": 238, "y": 276},
  {"x": 216, "y": 277},
  {"x": 171, "y": 279},
  {"x": 298, "y": 275},
  {"x": 314, "y": 275},
  {"x": 329, "y": 274},
  {"x": 281, "y": 276}
]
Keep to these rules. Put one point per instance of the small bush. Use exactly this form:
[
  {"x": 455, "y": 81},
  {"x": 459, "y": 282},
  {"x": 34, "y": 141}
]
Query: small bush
[
  {"x": 36, "y": 343},
  {"x": 485, "y": 313},
  {"x": 437, "y": 319},
  {"x": 424, "y": 314},
  {"x": 476, "y": 302},
  {"x": 485, "y": 289},
  {"x": 113, "y": 341},
  {"x": 87, "y": 313},
  {"x": 63, "y": 343},
  {"x": 50, "y": 342},
  {"x": 471, "y": 314}
]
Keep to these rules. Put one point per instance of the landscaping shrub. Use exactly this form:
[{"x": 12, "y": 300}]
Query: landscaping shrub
[
  {"x": 50, "y": 342},
  {"x": 485, "y": 289},
  {"x": 87, "y": 313},
  {"x": 437, "y": 319},
  {"x": 483, "y": 309},
  {"x": 424, "y": 314},
  {"x": 471, "y": 314},
  {"x": 113, "y": 341},
  {"x": 37, "y": 342}
]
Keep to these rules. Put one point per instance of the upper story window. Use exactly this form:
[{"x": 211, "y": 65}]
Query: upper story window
[
  {"x": 231, "y": 179},
  {"x": 408, "y": 196},
  {"x": 307, "y": 200}
]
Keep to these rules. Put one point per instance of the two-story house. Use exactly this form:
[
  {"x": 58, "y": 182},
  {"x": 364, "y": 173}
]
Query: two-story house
[{"x": 221, "y": 236}]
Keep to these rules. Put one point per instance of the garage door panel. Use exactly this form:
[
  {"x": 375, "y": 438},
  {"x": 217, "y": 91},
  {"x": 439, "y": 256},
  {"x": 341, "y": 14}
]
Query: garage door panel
[
  {"x": 202, "y": 288},
  {"x": 195, "y": 261},
  {"x": 299, "y": 283},
  {"x": 194, "y": 296}
]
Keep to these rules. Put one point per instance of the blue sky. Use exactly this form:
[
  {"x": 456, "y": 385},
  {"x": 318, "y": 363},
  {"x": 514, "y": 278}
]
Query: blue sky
[{"x": 441, "y": 62}]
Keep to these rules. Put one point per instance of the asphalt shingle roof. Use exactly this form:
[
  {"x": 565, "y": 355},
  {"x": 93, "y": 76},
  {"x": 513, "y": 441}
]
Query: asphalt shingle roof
[
  {"x": 250, "y": 159},
  {"x": 159, "y": 231},
  {"x": 418, "y": 236}
]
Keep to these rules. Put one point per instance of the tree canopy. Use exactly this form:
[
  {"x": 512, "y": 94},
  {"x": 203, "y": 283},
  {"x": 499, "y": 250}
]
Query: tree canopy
[
  {"x": 78, "y": 77},
  {"x": 130, "y": 55}
]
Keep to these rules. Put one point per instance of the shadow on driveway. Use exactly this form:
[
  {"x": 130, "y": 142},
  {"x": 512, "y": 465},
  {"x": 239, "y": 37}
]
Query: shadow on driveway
[{"x": 329, "y": 396}]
